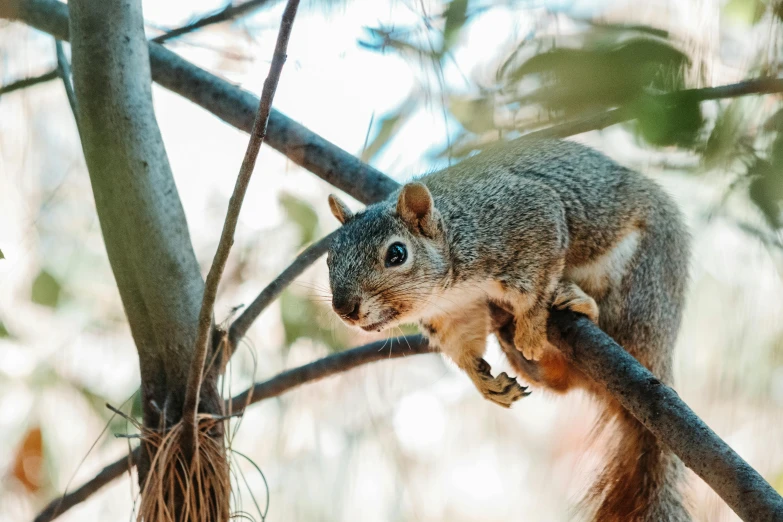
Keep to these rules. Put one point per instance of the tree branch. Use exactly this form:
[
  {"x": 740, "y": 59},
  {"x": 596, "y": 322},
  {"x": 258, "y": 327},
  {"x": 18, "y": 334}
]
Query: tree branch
[
  {"x": 64, "y": 71},
  {"x": 229, "y": 12},
  {"x": 28, "y": 82},
  {"x": 230, "y": 225},
  {"x": 141, "y": 216},
  {"x": 268, "y": 295},
  {"x": 60, "y": 505},
  {"x": 331, "y": 365},
  {"x": 274, "y": 387},
  {"x": 660, "y": 410},
  {"x": 621, "y": 114},
  {"x": 237, "y": 107}
]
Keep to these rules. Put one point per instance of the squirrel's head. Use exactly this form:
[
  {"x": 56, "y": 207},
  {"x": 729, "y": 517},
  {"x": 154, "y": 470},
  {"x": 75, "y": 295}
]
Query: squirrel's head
[{"x": 385, "y": 262}]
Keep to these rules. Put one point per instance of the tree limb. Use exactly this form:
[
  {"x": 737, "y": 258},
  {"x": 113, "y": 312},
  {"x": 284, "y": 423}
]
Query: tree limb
[
  {"x": 660, "y": 409},
  {"x": 28, "y": 82},
  {"x": 229, "y": 12},
  {"x": 274, "y": 387},
  {"x": 232, "y": 218},
  {"x": 60, "y": 505},
  {"x": 141, "y": 216},
  {"x": 64, "y": 71},
  {"x": 331, "y": 365},
  {"x": 237, "y": 107},
  {"x": 621, "y": 114},
  {"x": 272, "y": 291}
]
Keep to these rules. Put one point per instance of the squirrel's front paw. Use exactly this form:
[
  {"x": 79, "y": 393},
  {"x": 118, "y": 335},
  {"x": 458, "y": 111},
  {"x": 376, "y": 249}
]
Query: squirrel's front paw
[{"x": 502, "y": 390}]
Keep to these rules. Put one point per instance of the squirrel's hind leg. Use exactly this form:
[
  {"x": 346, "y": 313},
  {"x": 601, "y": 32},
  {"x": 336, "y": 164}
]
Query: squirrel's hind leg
[
  {"x": 569, "y": 296},
  {"x": 462, "y": 337}
]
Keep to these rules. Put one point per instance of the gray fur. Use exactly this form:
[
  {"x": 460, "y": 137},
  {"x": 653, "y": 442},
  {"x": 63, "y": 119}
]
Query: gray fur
[{"x": 515, "y": 226}]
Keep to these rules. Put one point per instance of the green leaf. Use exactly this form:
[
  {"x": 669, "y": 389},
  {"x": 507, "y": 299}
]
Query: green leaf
[
  {"x": 727, "y": 142},
  {"x": 2, "y": 256},
  {"x": 301, "y": 213},
  {"x": 748, "y": 12},
  {"x": 601, "y": 75},
  {"x": 4, "y": 333},
  {"x": 476, "y": 115},
  {"x": 389, "y": 126},
  {"x": 662, "y": 123},
  {"x": 456, "y": 16},
  {"x": 766, "y": 191},
  {"x": 300, "y": 320},
  {"x": 46, "y": 289}
]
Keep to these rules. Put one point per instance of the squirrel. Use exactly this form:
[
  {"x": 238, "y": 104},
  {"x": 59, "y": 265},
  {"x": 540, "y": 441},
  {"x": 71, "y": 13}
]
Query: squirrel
[{"x": 523, "y": 227}]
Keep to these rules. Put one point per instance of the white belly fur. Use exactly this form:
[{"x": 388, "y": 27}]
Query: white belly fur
[{"x": 606, "y": 271}]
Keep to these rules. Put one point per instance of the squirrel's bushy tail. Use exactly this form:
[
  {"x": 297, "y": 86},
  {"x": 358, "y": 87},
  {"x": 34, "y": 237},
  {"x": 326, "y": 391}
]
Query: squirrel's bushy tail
[{"x": 641, "y": 478}]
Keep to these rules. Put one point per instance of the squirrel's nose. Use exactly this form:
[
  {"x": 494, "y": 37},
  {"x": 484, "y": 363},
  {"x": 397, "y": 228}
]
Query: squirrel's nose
[{"x": 348, "y": 308}]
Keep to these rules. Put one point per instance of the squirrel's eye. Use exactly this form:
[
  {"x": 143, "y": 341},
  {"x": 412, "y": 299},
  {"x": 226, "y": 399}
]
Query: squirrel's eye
[{"x": 396, "y": 255}]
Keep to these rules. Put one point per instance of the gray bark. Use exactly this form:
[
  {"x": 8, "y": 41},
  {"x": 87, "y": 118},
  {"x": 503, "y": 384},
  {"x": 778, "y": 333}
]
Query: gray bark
[{"x": 139, "y": 210}]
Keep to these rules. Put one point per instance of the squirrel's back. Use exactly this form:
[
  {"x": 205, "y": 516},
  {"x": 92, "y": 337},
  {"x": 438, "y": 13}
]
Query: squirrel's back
[
  {"x": 627, "y": 247},
  {"x": 603, "y": 200}
]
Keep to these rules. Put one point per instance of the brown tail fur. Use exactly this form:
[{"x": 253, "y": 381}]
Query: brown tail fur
[{"x": 641, "y": 478}]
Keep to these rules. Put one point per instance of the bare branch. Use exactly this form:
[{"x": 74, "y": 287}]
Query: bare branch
[
  {"x": 230, "y": 225},
  {"x": 28, "y": 82},
  {"x": 238, "y": 107},
  {"x": 240, "y": 326},
  {"x": 619, "y": 115},
  {"x": 661, "y": 410},
  {"x": 229, "y": 12},
  {"x": 286, "y": 381},
  {"x": 60, "y": 505},
  {"x": 64, "y": 70},
  {"x": 331, "y": 365}
]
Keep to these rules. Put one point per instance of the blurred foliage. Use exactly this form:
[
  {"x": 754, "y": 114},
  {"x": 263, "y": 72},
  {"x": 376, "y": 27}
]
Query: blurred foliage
[
  {"x": 46, "y": 289},
  {"x": 745, "y": 11},
  {"x": 303, "y": 215},
  {"x": 4, "y": 333},
  {"x": 551, "y": 78},
  {"x": 2, "y": 256},
  {"x": 28, "y": 466},
  {"x": 388, "y": 127},
  {"x": 298, "y": 313},
  {"x": 613, "y": 67},
  {"x": 662, "y": 123}
]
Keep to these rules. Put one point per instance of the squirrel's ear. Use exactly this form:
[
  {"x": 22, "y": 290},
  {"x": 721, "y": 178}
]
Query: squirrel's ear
[
  {"x": 339, "y": 209},
  {"x": 416, "y": 208}
]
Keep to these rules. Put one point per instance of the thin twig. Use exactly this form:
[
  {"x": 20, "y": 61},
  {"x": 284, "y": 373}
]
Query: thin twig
[
  {"x": 64, "y": 70},
  {"x": 60, "y": 505},
  {"x": 229, "y": 227},
  {"x": 28, "y": 82},
  {"x": 277, "y": 385},
  {"x": 229, "y": 12},
  {"x": 331, "y": 365},
  {"x": 619, "y": 115},
  {"x": 273, "y": 290}
]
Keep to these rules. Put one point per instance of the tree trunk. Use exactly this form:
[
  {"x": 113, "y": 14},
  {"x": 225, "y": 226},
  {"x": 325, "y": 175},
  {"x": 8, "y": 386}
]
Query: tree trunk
[{"x": 141, "y": 216}]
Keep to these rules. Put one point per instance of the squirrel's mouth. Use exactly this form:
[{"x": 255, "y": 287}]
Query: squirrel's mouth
[{"x": 388, "y": 316}]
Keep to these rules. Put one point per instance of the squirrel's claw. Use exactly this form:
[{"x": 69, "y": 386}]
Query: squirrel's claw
[{"x": 502, "y": 390}]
